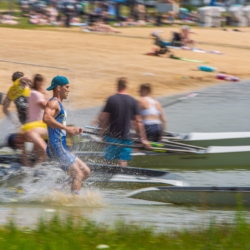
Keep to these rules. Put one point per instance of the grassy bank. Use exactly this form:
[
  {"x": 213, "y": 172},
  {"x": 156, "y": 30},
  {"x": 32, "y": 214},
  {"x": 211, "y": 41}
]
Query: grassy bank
[{"x": 81, "y": 234}]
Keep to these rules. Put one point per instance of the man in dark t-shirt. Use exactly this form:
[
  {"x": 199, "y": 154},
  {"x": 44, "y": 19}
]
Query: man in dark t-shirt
[{"x": 116, "y": 118}]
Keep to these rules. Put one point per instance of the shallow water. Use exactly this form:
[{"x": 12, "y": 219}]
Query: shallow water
[{"x": 220, "y": 108}]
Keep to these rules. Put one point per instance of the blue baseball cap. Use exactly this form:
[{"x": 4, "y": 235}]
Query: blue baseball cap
[{"x": 58, "y": 81}]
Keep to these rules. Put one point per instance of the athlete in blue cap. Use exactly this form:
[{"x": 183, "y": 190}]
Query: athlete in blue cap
[{"x": 55, "y": 118}]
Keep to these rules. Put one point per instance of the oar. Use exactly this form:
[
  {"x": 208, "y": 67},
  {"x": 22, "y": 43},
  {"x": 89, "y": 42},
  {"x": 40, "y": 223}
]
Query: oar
[
  {"x": 182, "y": 144},
  {"x": 152, "y": 148},
  {"x": 160, "y": 146},
  {"x": 143, "y": 148},
  {"x": 179, "y": 146},
  {"x": 93, "y": 128},
  {"x": 190, "y": 95}
]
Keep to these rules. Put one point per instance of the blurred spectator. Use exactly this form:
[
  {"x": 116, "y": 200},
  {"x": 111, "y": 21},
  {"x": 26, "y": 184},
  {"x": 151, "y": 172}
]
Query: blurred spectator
[
  {"x": 140, "y": 12},
  {"x": 99, "y": 26},
  {"x": 69, "y": 12},
  {"x": 38, "y": 18},
  {"x": 96, "y": 15},
  {"x": 25, "y": 7},
  {"x": 52, "y": 13},
  {"x": 8, "y": 19}
]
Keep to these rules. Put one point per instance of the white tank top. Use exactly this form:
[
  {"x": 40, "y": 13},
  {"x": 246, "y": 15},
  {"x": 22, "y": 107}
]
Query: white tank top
[{"x": 151, "y": 110}]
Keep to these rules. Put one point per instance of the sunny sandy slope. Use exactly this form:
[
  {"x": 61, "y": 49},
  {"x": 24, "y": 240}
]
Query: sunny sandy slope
[{"x": 93, "y": 62}]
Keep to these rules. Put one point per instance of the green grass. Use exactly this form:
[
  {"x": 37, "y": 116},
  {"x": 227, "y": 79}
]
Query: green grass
[
  {"x": 7, "y": 4},
  {"x": 76, "y": 233}
]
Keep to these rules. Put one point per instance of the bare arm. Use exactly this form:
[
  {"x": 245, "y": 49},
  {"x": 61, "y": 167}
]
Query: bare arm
[
  {"x": 140, "y": 127},
  {"x": 96, "y": 120},
  {"x": 6, "y": 105},
  {"x": 162, "y": 117},
  {"x": 43, "y": 104},
  {"x": 51, "y": 110},
  {"x": 104, "y": 119}
]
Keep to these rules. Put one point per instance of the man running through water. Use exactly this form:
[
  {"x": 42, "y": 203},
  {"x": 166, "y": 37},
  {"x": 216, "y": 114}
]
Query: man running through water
[
  {"x": 120, "y": 110},
  {"x": 55, "y": 118}
]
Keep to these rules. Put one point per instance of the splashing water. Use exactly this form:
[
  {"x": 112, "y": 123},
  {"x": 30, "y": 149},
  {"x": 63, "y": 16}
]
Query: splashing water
[{"x": 40, "y": 186}]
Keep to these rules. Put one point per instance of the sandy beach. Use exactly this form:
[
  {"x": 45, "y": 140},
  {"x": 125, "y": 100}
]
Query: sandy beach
[{"x": 93, "y": 62}]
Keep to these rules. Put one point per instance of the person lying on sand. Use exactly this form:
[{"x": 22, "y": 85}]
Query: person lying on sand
[
  {"x": 182, "y": 38},
  {"x": 101, "y": 27}
]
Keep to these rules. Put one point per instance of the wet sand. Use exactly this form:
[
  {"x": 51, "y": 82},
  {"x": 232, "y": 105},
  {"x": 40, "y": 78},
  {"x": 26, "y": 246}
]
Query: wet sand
[{"x": 94, "y": 61}]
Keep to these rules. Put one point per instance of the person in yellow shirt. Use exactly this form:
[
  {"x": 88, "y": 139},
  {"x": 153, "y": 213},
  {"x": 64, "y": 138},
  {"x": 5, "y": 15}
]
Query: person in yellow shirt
[{"x": 18, "y": 93}]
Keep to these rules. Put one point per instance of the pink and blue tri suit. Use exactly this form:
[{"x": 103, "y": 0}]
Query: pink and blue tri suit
[{"x": 56, "y": 147}]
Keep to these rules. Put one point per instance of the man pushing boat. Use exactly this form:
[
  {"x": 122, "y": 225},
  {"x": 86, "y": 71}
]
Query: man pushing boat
[
  {"x": 55, "y": 117},
  {"x": 120, "y": 110}
]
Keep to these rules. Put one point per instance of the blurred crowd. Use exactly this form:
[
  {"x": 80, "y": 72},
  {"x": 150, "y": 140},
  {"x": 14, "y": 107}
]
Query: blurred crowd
[
  {"x": 93, "y": 15},
  {"x": 80, "y": 13}
]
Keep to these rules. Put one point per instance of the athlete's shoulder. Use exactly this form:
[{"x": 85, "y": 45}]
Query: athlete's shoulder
[
  {"x": 52, "y": 103},
  {"x": 112, "y": 97}
]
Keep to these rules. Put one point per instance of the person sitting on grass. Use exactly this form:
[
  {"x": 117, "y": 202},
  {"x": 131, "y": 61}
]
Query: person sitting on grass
[
  {"x": 8, "y": 19},
  {"x": 99, "y": 26}
]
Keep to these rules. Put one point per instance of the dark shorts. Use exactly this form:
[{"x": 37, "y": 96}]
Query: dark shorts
[
  {"x": 121, "y": 153},
  {"x": 62, "y": 155},
  {"x": 153, "y": 132}
]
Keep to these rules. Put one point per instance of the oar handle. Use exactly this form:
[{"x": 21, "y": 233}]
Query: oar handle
[{"x": 190, "y": 95}]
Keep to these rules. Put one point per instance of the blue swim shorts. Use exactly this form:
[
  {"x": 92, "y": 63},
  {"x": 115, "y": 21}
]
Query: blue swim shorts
[
  {"x": 121, "y": 153},
  {"x": 61, "y": 154}
]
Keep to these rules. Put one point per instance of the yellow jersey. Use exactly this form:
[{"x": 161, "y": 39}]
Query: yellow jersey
[{"x": 19, "y": 96}]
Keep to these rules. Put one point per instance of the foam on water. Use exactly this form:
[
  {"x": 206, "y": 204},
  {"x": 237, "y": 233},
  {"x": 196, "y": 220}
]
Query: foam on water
[{"x": 88, "y": 198}]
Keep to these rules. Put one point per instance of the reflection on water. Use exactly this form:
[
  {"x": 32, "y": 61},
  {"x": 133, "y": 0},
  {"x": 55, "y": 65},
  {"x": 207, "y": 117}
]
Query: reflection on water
[{"x": 220, "y": 108}]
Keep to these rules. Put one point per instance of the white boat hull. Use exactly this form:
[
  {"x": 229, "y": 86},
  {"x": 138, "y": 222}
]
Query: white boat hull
[
  {"x": 102, "y": 175},
  {"x": 208, "y": 160},
  {"x": 214, "y": 157},
  {"x": 215, "y": 139},
  {"x": 208, "y": 196}
]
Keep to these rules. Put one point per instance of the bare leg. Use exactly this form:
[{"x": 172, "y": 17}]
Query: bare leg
[
  {"x": 123, "y": 163},
  {"x": 79, "y": 172},
  {"x": 35, "y": 136}
]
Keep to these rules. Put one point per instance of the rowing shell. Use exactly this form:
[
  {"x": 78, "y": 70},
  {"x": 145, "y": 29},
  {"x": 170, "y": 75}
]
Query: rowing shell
[
  {"x": 129, "y": 177},
  {"x": 102, "y": 175},
  {"x": 212, "y": 139},
  {"x": 209, "y": 196},
  {"x": 204, "y": 139},
  {"x": 211, "y": 158}
]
